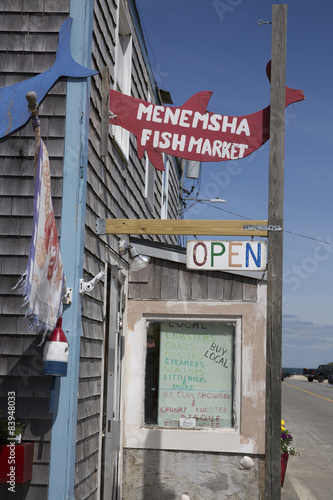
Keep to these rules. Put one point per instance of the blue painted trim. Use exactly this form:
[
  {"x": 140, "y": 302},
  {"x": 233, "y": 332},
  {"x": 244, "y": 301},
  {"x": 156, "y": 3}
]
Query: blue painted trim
[{"x": 63, "y": 442}]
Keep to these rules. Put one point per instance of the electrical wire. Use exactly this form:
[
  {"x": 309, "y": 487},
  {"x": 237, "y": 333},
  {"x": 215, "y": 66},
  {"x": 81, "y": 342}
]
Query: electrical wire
[
  {"x": 228, "y": 211},
  {"x": 249, "y": 218},
  {"x": 308, "y": 237}
]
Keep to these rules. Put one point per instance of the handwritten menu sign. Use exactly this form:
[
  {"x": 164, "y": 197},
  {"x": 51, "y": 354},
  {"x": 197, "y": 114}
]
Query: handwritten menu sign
[{"x": 196, "y": 374}]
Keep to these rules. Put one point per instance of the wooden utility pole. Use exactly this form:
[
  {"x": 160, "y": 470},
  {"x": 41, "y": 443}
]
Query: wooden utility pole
[{"x": 275, "y": 254}]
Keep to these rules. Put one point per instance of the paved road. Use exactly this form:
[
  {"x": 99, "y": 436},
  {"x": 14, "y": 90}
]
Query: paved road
[{"x": 307, "y": 409}]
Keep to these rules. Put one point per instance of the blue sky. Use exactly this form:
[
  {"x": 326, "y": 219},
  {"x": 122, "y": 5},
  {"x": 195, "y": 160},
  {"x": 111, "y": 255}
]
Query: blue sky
[{"x": 200, "y": 45}]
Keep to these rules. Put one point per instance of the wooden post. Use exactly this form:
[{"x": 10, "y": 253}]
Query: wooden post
[
  {"x": 31, "y": 97},
  {"x": 275, "y": 254}
]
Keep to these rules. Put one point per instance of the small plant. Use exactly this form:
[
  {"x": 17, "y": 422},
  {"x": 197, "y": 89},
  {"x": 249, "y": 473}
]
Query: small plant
[
  {"x": 286, "y": 439},
  {"x": 10, "y": 432}
]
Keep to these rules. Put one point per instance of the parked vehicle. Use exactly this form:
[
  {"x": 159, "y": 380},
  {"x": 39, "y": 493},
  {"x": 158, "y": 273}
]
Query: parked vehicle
[
  {"x": 321, "y": 373},
  {"x": 330, "y": 379},
  {"x": 308, "y": 371}
]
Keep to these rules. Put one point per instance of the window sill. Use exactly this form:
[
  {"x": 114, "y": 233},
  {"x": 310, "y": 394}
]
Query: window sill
[{"x": 213, "y": 440}]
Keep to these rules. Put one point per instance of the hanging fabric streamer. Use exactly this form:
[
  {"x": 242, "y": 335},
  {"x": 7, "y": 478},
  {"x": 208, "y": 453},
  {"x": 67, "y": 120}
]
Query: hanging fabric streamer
[{"x": 43, "y": 282}]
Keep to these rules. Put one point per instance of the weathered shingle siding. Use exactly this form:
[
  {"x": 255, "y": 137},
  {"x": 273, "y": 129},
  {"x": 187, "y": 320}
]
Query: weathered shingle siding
[
  {"x": 122, "y": 195},
  {"x": 166, "y": 280},
  {"x": 28, "y": 43},
  {"x": 115, "y": 189}
]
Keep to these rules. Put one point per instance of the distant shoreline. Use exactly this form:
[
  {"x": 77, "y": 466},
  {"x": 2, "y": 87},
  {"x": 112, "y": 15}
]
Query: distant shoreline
[{"x": 293, "y": 371}]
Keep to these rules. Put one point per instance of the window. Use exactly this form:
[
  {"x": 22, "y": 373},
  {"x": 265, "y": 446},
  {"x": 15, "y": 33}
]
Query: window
[
  {"x": 165, "y": 190},
  {"x": 123, "y": 74},
  {"x": 189, "y": 379},
  {"x": 237, "y": 327}
]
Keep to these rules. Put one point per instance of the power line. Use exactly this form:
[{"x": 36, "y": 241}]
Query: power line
[
  {"x": 309, "y": 237},
  {"x": 224, "y": 210},
  {"x": 285, "y": 230}
]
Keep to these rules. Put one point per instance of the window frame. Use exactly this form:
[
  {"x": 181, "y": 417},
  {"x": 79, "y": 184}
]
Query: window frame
[
  {"x": 123, "y": 76},
  {"x": 250, "y": 437},
  {"x": 203, "y": 439},
  {"x": 236, "y": 348},
  {"x": 149, "y": 185}
]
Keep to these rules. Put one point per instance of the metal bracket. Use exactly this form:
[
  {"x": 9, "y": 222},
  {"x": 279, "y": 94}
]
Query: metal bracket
[
  {"x": 68, "y": 296},
  {"x": 88, "y": 286},
  {"x": 269, "y": 227},
  {"x": 100, "y": 226},
  {"x": 261, "y": 22},
  {"x": 112, "y": 115}
]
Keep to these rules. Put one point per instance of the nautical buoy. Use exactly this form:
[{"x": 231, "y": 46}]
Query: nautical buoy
[{"x": 55, "y": 355}]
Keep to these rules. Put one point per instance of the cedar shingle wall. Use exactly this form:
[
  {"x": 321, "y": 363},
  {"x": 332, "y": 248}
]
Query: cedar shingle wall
[
  {"x": 166, "y": 280},
  {"x": 115, "y": 189},
  {"x": 28, "y": 42}
]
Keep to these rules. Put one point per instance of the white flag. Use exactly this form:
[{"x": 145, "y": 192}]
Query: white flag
[{"x": 44, "y": 279}]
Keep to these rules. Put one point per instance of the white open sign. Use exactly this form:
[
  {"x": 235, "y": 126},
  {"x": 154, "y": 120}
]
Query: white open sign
[{"x": 226, "y": 255}]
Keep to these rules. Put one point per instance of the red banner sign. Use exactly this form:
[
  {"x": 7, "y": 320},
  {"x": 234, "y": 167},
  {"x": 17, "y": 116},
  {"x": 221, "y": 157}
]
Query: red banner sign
[{"x": 190, "y": 131}]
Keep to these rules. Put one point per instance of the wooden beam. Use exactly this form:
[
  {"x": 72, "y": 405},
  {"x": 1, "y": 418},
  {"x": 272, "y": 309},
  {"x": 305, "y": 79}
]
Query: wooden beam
[
  {"x": 180, "y": 226},
  {"x": 274, "y": 255}
]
